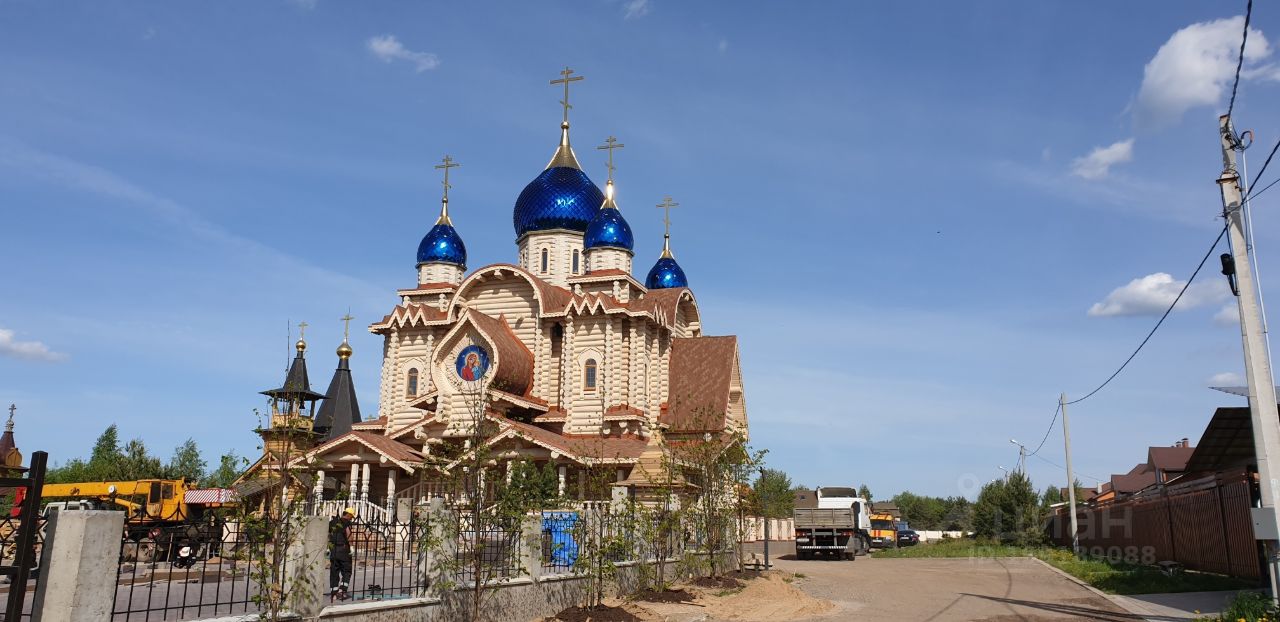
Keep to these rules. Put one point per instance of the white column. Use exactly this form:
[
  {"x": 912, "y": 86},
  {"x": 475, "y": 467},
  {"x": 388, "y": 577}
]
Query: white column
[
  {"x": 508, "y": 476},
  {"x": 391, "y": 491},
  {"x": 562, "y": 470},
  {"x": 364, "y": 485},
  {"x": 353, "y": 490},
  {"x": 319, "y": 486}
]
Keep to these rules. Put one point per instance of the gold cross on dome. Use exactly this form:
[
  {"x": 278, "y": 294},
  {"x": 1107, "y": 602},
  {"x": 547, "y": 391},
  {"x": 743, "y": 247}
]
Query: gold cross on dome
[
  {"x": 666, "y": 206},
  {"x": 346, "y": 324},
  {"x": 448, "y": 164},
  {"x": 302, "y": 330},
  {"x": 565, "y": 81},
  {"x": 609, "y": 145}
]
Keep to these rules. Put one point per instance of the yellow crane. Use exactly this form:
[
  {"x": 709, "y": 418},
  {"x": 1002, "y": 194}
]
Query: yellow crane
[{"x": 148, "y": 503}]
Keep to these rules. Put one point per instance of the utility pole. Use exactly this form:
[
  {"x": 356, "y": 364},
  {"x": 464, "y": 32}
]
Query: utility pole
[
  {"x": 1262, "y": 391},
  {"x": 1071, "y": 477},
  {"x": 1022, "y": 456}
]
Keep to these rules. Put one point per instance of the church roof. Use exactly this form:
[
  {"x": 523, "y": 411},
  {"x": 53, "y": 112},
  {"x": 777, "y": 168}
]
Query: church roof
[
  {"x": 400, "y": 453},
  {"x": 515, "y": 361},
  {"x": 340, "y": 409},
  {"x": 700, "y": 378},
  {"x": 296, "y": 382}
]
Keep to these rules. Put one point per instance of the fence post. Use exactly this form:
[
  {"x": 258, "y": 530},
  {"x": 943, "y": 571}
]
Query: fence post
[
  {"x": 437, "y": 564},
  {"x": 78, "y": 567},
  {"x": 306, "y": 568},
  {"x": 531, "y": 551}
]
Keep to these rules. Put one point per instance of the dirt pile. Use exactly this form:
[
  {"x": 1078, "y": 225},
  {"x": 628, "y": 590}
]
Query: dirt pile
[{"x": 768, "y": 599}]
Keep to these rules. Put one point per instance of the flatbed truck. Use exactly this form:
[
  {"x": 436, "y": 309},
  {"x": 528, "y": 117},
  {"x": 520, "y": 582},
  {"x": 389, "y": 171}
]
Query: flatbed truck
[{"x": 837, "y": 528}]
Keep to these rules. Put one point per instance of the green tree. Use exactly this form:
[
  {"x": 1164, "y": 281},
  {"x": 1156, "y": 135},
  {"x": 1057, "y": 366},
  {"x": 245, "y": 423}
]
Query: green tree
[
  {"x": 138, "y": 463},
  {"x": 230, "y": 466},
  {"x": 1009, "y": 510},
  {"x": 186, "y": 463},
  {"x": 772, "y": 489},
  {"x": 864, "y": 492}
]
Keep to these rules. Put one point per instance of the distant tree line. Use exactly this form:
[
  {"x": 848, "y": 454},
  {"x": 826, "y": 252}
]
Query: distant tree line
[{"x": 112, "y": 461}]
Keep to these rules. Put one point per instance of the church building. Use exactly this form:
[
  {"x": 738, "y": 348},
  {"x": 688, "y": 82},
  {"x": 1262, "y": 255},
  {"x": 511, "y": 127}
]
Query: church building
[{"x": 574, "y": 361}]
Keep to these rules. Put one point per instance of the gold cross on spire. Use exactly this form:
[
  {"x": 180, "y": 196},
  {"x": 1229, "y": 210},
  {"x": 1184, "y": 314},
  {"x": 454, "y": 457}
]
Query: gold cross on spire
[
  {"x": 448, "y": 163},
  {"x": 666, "y": 206},
  {"x": 13, "y": 408},
  {"x": 609, "y": 145},
  {"x": 302, "y": 330},
  {"x": 565, "y": 81},
  {"x": 346, "y": 325}
]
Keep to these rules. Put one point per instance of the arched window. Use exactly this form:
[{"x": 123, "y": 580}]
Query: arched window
[
  {"x": 544, "y": 261},
  {"x": 589, "y": 375},
  {"x": 575, "y": 261},
  {"x": 411, "y": 384}
]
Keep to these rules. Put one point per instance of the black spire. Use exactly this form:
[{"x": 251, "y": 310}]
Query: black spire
[
  {"x": 296, "y": 385},
  {"x": 340, "y": 408}
]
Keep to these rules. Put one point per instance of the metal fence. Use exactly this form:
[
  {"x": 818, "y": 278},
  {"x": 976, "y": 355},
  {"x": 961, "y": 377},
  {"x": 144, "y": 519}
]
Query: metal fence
[
  {"x": 187, "y": 571},
  {"x": 387, "y": 559},
  {"x": 485, "y": 550},
  {"x": 1204, "y": 524},
  {"x": 22, "y": 536}
]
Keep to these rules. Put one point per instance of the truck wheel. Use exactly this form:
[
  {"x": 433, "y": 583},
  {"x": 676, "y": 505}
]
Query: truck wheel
[
  {"x": 802, "y": 555},
  {"x": 866, "y": 546}
]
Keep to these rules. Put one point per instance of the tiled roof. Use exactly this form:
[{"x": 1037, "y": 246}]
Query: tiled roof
[
  {"x": 372, "y": 424},
  {"x": 701, "y": 371},
  {"x": 583, "y": 448},
  {"x": 1170, "y": 459},
  {"x": 514, "y": 371},
  {"x": 1133, "y": 482},
  {"x": 410, "y": 314}
]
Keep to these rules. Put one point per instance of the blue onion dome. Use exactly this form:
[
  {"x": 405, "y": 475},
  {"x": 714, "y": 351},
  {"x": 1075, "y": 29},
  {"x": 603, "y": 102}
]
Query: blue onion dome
[
  {"x": 608, "y": 229},
  {"x": 442, "y": 244},
  {"x": 666, "y": 273},
  {"x": 561, "y": 197}
]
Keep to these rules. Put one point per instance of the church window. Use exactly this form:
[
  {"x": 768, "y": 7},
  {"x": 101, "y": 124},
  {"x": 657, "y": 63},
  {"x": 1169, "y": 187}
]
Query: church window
[
  {"x": 544, "y": 261},
  {"x": 589, "y": 375},
  {"x": 575, "y": 261},
  {"x": 411, "y": 386}
]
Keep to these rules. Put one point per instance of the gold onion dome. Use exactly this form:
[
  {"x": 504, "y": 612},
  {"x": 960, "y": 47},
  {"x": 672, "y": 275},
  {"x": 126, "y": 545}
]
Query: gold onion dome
[
  {"x": 300, "y": 346},
  {"x": 344, "y": 350}
]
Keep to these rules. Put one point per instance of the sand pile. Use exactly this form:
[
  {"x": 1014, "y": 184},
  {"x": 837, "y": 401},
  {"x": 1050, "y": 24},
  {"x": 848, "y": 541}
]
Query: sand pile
[{"x": 768, "y": 599}]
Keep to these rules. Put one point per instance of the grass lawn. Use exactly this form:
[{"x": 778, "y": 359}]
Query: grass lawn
[{"x": 1110, "y": 577}]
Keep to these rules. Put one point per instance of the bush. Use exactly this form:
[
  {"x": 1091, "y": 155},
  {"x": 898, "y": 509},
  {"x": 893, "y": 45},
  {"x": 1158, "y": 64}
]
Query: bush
[{"x": 1248, "y": 607}]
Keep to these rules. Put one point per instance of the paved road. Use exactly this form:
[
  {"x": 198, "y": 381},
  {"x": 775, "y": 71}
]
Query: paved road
[{"x": 943, "y": 590}]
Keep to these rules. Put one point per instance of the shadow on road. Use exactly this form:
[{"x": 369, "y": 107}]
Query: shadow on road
[{"x": 1091, "y": 613}]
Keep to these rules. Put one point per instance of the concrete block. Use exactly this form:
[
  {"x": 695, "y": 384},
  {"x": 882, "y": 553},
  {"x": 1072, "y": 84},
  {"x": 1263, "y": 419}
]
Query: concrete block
[{"x": 78, "y": 567}]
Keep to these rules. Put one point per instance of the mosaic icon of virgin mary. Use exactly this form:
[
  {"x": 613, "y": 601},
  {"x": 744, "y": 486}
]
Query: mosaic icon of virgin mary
[{"x": 472, "y": 363}]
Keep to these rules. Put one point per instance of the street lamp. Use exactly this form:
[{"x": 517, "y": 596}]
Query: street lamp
[
  {"x": 1022, "y": 456},
  {"x": 764, "y": 488},
  {"x": 1006, "y": 471}
]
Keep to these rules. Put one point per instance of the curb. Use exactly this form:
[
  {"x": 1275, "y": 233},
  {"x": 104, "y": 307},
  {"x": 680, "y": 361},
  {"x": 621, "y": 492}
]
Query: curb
[{"x": 1097, "y": 592}]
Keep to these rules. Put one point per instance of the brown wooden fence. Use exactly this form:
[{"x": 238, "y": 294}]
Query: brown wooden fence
[{"x": 1203, "y": 524}]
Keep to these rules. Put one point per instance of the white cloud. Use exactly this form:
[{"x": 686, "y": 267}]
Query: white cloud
[
  {"x": 1098, "y": 163},
  {"x": 1228, "y": 315},
  {"x": 1196, "y": 67},
  {"x": 1226, "y": 379},
  {"x": 635, "y": 8},
  {"x": 29, "y": 350},
  {"x": 1152, "y": 294},
  {"x": 388, "y": 48}
]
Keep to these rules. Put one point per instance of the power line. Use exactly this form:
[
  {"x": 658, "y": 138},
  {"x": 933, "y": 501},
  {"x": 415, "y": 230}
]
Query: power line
[
  {"x": 1052, "y": 463},
  {"x": 1248, "y": 12},
  {"x": 1268, "y": 187},
  {"x": 1162, "y": 319},
  {"x": 1261, "y": 171},
  {"x": 1052, "y": 422}
]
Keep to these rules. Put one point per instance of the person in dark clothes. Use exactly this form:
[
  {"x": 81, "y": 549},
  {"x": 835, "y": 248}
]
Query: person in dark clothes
[{"x": 340, "y": 555}]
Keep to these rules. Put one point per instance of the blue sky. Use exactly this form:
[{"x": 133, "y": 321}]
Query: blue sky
[{"x": 906, "y": 212}]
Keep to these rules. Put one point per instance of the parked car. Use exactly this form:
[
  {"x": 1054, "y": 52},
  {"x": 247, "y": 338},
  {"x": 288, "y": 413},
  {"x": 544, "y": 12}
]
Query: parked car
[{"x": 908, "y": 537}]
